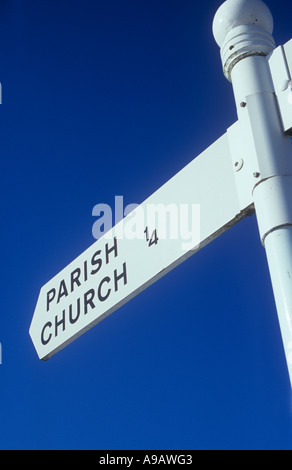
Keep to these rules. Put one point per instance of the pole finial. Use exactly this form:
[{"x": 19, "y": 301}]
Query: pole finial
[
  {"x": 235, "y": 13},
  {"x": 243, "y": 28}
]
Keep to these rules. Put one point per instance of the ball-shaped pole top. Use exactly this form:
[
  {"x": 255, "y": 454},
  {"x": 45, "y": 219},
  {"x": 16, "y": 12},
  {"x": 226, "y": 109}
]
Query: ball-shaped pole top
[{"x": 235, "y": 13}]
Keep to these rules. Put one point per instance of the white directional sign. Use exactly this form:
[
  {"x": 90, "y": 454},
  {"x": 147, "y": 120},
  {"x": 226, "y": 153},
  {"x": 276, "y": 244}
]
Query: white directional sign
[
  {"x": 189, "y": 211},
  {"x": 248, "y": 168}
]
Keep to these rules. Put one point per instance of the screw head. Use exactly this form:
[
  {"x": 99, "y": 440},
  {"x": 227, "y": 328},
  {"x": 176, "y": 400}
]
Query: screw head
[{"x": 238, "y": 164}]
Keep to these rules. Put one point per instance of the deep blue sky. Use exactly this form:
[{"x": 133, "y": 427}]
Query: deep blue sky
[{"x": 105, "y": 98}]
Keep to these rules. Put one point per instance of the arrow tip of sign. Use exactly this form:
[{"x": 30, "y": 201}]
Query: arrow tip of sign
[{"x": 234, "y": 13}]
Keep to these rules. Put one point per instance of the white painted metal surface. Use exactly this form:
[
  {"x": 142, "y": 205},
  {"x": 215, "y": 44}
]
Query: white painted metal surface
[
  {"x": 256, "y": 78},
  {"x": 279, "y": 253},
  {"x": 281, "y": 75},
  {"x": 242, "y": 28},
  {"x": 113, "y": 270},
  {"x": 234, "y": 13},
  {"x": 288, "y": 55}
]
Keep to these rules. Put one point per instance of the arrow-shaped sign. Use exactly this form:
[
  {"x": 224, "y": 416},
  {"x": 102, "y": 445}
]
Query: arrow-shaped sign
[
  {"x": 248, "y": 168},
  {"x": 185, "y": 214}
]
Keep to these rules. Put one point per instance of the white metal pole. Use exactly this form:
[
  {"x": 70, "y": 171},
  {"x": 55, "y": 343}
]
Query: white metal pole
[{"x": 243, "y": 29}]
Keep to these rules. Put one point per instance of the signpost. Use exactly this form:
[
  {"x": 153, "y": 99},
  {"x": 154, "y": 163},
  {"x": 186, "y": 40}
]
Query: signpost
[
  {"x": 176, "y": 221},
  {"x": 249, "y": 168}
]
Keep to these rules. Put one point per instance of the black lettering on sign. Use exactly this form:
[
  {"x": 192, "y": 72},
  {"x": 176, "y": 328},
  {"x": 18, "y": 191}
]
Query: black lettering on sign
[
  {"x": 50, "y": 296},
  {"x": 96, "y": 260},
  {"x": 118, "y": 277},
  {"x": 75, "y": 275},
  {"x": 108, "y": 250},
  {"x": 62, "y": 291},
  {"x": 71, "y": 318},
  {"x": 85, "y": 271},
  {"x": 47, "y": 339},
  {"x": 101, "y": 297},
  {"x": 88, "y": 300},
  {"x": 80, "y": 275},
  {"x": 153, "y": 240},
  {"x": 60, "y": 323},
  {"x": 85, "y": 304}
]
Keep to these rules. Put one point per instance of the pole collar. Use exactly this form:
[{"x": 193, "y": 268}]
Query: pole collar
[{"x": 244, "y": 41}]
